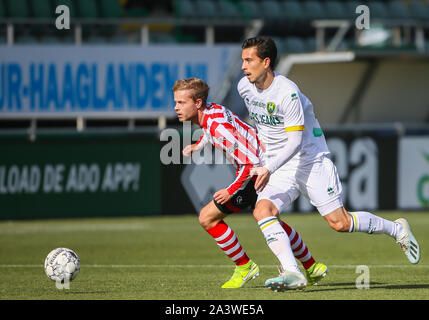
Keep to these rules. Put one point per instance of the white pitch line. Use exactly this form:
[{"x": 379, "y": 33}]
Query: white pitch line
[
  {"x": 340, "y": 266},
  {"x": 26, "y": 229}
]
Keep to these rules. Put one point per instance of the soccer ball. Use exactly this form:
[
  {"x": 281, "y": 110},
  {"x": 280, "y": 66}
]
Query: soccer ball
[{"x": 62, "y": 264}]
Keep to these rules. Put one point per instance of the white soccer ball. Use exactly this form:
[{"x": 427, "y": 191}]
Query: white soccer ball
[{"x": 62, "y": 264}]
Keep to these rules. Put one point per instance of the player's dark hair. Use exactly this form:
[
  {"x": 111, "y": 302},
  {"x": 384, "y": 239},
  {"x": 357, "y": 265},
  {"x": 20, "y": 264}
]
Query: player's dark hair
[
  {"x": 265, "y": 48},
  {"x": 200, "y": 89}
]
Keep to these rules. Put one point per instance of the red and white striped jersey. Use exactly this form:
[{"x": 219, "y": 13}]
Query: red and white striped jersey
[{"x": 237, "y": 139}]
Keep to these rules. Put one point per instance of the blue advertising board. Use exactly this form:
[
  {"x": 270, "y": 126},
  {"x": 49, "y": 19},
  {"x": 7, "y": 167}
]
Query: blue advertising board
[{"x": 62, "y": 81}]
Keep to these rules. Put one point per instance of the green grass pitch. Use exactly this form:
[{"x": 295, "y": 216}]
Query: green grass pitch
[{"x": 173, "y": 258}]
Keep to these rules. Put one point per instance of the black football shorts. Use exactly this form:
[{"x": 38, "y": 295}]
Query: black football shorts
[{"x": 241, "y": 200}]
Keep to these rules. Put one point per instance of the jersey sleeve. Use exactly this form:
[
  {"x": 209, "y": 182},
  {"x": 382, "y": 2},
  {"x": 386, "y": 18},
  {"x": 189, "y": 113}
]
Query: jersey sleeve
[
  {"x": 202, "y": 141},
  {"x": 242, "y": 87},
  {"x": 293, "y": 112},
  {"x": 228, "y": 139},
  {"x": 292, "y": 146},
  {"x": 233, "y": 144},
  {"x": 294, "y": 126},
  {"x": 240, "y": 182}
]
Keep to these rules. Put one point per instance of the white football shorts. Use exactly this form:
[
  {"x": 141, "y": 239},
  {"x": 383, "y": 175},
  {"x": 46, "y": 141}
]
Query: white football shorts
[{"x": 318, "y": 181}]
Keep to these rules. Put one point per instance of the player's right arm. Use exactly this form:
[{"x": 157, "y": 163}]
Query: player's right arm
[
  {"x": 293, "y": 114},
  {"x": 292, "y": 147}
]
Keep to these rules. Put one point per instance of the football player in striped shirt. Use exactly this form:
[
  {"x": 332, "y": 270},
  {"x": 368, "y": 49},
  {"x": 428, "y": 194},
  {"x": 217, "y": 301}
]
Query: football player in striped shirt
[
  {"x": 239, "y": 141},
  {"x": 295, "y": 161}
]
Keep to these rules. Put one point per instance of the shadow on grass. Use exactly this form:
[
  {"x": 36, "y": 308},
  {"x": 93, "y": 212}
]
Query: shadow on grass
[
  {"x": 372, "y": 285},
  {"x": 404, "y": 286},
  {"x": 86, "y": 292},
  {"x": 352, "y": 286},
  {"x": 345, "y": 284}
]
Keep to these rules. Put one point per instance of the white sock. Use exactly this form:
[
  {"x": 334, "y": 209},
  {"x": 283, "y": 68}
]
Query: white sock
[
  {"x": 278, "y": 242},
  {"x": 362, "y": 221}
]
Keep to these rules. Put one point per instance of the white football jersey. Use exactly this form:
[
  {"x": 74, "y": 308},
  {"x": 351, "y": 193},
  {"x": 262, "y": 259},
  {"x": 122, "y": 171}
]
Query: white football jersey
[{"x": 279, "y": 109}]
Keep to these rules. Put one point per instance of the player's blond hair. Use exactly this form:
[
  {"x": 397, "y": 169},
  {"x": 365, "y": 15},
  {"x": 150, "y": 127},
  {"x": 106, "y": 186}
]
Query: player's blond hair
[{"x": 200, "y": 89}]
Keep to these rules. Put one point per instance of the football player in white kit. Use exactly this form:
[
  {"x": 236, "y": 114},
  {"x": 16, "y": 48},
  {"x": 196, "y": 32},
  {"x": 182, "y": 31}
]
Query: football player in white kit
[{"x": 296, "y": 162}]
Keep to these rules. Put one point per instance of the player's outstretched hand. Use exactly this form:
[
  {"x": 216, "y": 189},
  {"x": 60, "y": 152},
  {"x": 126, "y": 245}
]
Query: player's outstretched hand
[
  {"x": 222, "y": 196},
  {"x": 187, "y": 151},
  {"x": 263, "y": 176}
]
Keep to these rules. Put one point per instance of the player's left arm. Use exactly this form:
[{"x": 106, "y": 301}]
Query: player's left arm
[
  {"x": 292, "y": 147},
  {"x": 294, "y": 127},
  {"x": 202, "y": 141},
  {"x": 229, "y": 137},
  {"x": 243, "y": 177}
]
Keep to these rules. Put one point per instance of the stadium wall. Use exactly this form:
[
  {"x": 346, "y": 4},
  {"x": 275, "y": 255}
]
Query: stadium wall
[
  {"x": 67, "y": 175},
  {"x": 79, "y": 175}
]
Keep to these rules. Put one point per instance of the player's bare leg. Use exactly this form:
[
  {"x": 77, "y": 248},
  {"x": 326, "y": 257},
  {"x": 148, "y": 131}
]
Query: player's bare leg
[
  {"x": 343, "y": 221},
  {"x": 212, "y": 220},
  {"x": 210, "y": 216},
  {"x": 339, "y": 220}
]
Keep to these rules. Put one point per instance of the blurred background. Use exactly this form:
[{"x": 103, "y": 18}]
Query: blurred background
[{"x": 86, "y": 107}]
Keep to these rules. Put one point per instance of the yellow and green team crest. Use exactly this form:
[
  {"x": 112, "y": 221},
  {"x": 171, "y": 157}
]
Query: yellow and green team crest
[{"x": 271, "y": 107}]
